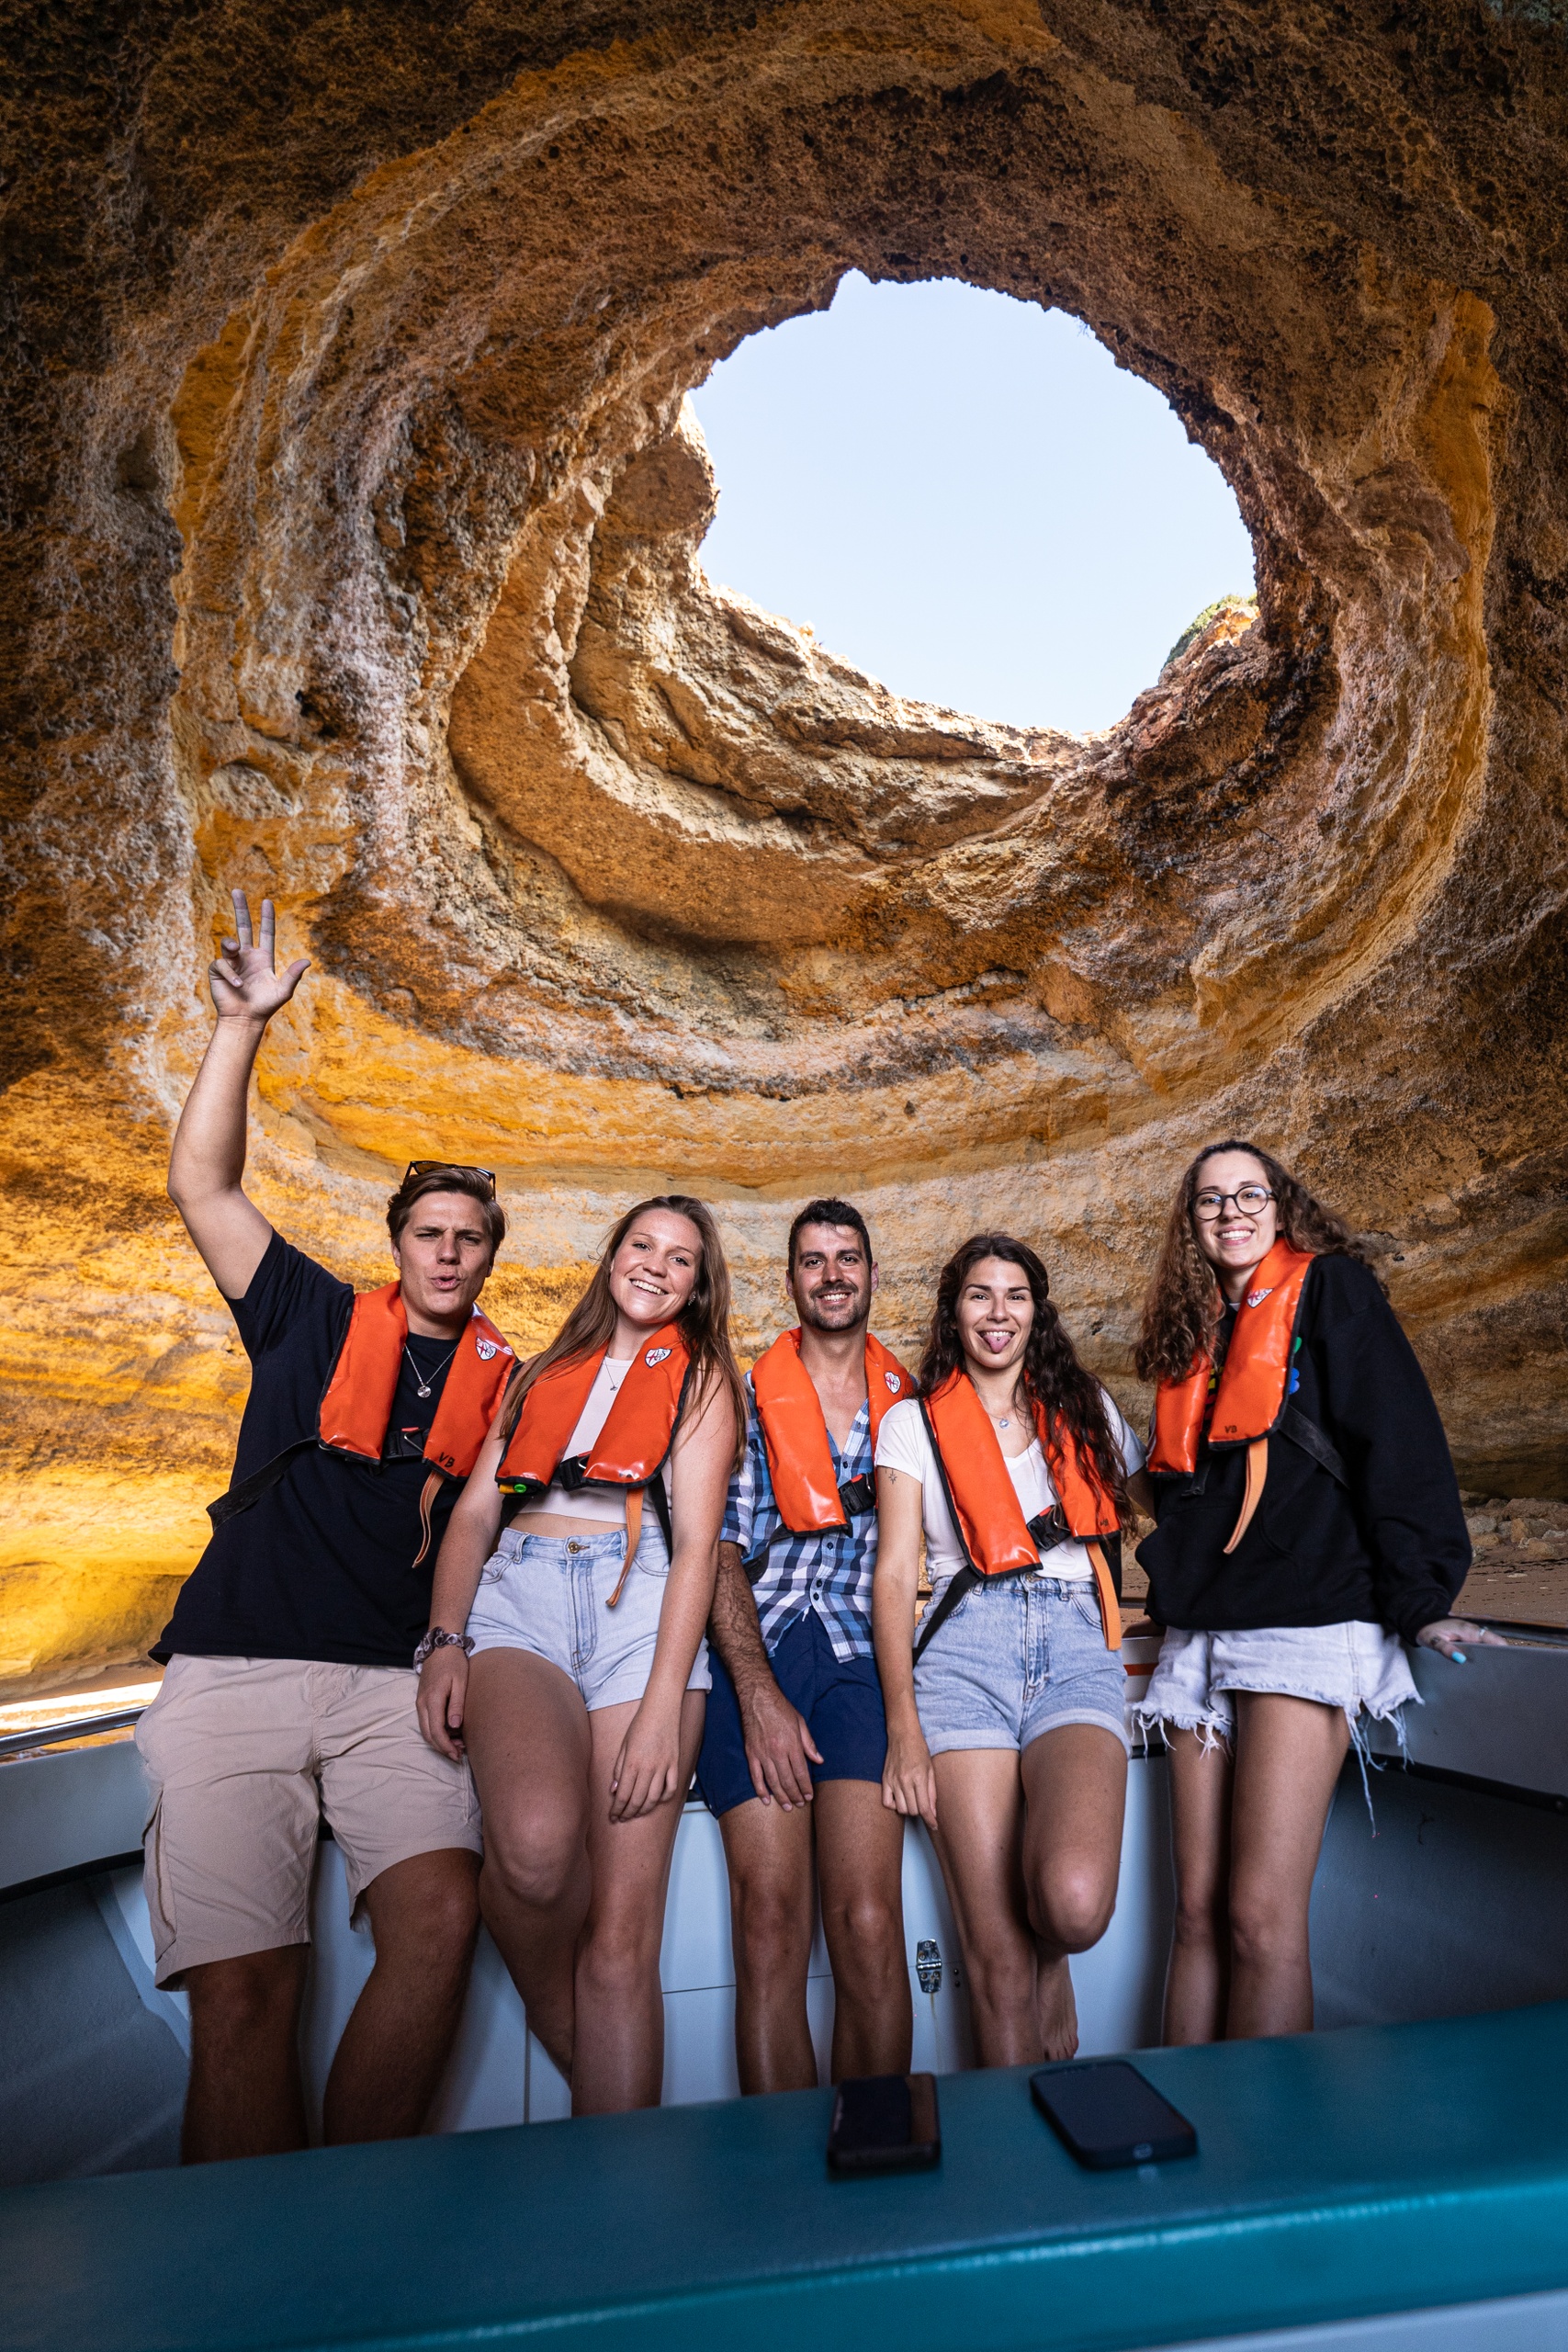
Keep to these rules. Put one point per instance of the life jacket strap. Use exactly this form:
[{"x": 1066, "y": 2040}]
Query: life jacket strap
[
  {"x": 512, "y": 1502},
  {"x": 1312, "y": 1440},
  {"x": 1107, "y": 1587},
  {"x": 856, "y": 1498},
  {"x": 1050, "y": 1528},
  {"x": 1296, "y": 1425},
  {"x": 260, "y": 1481},
  {"x": 1257, "y": 1476},
  {"x": 1105, "y": 1559},
  {"x": 962, "y": 1581},
  {"x": 634, "y": 1537},
  {"x": 635, "y": 1494},
  {"x": 427, "y": 1495}
]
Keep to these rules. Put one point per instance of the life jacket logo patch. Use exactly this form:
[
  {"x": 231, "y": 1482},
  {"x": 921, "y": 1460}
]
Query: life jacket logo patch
[
  {"x": 656, "y": 1355},
  {"x": 484, "y": 1349},
  {"x": 893, "y": 1381},
  {"x": 1257, "y": 1297}
]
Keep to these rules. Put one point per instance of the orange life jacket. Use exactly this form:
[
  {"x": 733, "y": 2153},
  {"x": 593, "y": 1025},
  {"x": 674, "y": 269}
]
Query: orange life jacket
[
  {"x": 998, "y": 1539},
  {"x": 800, "y": 1460},
  {"x": 1251, "y": 1399},
  {"x": 631, "y": 1448},
  {"x": 357, "y": 1404}
]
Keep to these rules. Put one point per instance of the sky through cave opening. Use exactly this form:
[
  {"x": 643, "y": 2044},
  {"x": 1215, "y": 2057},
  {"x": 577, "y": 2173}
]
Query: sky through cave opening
[{"x": 963, "y": 494}]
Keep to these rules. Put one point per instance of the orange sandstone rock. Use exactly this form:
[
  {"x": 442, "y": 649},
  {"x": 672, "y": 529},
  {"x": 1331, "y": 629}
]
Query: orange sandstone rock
[{"x": 355, "y": 558}]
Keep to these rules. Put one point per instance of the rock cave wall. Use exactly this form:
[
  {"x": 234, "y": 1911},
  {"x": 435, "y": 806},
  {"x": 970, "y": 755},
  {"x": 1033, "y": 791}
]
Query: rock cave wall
[{"x": 354, "y": 538}]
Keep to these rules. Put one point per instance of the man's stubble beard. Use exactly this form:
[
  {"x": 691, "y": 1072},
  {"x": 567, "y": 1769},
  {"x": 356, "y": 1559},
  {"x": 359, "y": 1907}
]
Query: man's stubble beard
[{"x": 810, "y": 1313}]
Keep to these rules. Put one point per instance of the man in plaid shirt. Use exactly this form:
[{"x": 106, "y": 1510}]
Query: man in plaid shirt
[{"x": 796, "y": 1736}]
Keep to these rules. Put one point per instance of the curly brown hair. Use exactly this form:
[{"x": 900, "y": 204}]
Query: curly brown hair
[
  {"x": 704, "y": 1325},
  {"x": 1182, "y": 1309},
  {"x": 1054, "y": 1379}
]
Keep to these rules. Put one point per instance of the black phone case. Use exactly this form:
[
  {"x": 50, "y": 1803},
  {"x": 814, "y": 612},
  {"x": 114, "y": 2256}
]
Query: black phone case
[
  {"x": 885, "y": 2123},
  {"x": 1106, "y": 2114}
]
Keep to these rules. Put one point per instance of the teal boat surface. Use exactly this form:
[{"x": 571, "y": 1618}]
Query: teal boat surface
[
  {"x": 1396, "y": 2183},
  {"x": 1338, "y": 2176}
]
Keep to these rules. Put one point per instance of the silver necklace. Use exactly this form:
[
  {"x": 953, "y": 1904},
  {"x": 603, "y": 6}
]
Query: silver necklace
[{"x": 422, "y": 1385}]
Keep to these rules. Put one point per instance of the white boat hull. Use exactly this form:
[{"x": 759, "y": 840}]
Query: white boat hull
[{"x": 500, "y": 2073}]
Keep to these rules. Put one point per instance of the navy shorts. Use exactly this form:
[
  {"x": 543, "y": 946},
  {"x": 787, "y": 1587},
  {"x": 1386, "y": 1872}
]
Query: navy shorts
[{"x": 840, "y": 1698}]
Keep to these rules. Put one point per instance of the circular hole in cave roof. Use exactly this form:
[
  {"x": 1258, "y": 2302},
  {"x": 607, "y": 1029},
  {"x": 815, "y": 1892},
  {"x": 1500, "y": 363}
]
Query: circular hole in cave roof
[{"x": 965, "y": 497}]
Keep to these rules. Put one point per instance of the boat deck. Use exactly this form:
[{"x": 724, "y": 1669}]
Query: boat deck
[
  {"x": 1338, "y": 2176},
  {"x": 1400, "y": 2185}
]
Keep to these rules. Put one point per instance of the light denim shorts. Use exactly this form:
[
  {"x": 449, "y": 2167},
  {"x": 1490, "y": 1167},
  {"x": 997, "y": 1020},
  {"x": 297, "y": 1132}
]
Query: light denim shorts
[
  {"x": 1018, "y": 1656},
  {"x": 1355, "y": 1665},
  {"x": 551, "y": 1594}
]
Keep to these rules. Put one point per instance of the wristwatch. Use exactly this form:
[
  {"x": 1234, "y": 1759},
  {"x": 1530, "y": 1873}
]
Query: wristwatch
[{"x": 438, "y": 1638}]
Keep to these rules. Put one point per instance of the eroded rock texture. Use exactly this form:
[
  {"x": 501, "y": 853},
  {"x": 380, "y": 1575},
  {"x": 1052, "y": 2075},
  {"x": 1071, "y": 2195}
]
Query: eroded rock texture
[{"x": 353, "y": 556}]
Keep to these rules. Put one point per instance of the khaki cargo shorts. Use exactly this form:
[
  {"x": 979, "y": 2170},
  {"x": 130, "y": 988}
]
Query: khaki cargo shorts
[{"x": 246, "y": 1755}]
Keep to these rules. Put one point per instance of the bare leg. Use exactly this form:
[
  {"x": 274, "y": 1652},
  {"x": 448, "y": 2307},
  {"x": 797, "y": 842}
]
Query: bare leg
[
  {"x": 425, "y": 1915},
  {"x": 1197, "y": 1989},
  {"x": 979, "y": 1804},
  {"x": 618, "y": 2051},
  {"x": 245, "y": 2096},
  {"x": 1288, "y": 1755},
  {"x": 1075, "y": 1788},
  {"x": 769, "y": 1854},
  {"x": 529, "y": 1744},
  {"x": 860, "y": 1861}
]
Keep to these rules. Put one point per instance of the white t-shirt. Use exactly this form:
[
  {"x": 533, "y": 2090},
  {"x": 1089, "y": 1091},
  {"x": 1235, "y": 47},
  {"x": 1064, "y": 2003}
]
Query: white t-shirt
[
  {"x": 902, "y": 1444},
  {"x": 596, "y": 1503}
]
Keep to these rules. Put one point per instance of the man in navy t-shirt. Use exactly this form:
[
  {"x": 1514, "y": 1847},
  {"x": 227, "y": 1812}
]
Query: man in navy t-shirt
[{"x": 290, "y": 1683}]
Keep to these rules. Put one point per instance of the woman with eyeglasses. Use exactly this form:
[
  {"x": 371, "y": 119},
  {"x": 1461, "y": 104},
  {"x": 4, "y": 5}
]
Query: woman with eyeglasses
[
  {"x": 1308, "y": 1525},
  {"x": 566, "y": 1648}
]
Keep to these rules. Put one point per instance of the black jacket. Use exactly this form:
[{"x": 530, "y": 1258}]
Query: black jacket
[{"x": 1391, "y": 1547}]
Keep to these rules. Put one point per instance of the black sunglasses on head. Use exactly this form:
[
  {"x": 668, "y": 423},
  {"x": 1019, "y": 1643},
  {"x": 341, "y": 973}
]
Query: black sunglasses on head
[{"x": 449, "y": 1167}]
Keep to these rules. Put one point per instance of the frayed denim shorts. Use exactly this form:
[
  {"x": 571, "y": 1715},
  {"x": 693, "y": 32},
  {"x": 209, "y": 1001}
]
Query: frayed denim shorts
[
  {"x": 1018, "y": 1656},
  {"x": 1355, "y": 1666},
  {"x": 551, "y": 1595}
]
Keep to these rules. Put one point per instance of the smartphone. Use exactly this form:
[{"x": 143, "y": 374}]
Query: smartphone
[
  {"x": 1109, "y": 2114},
  {"x": 885, "y": 2123}
]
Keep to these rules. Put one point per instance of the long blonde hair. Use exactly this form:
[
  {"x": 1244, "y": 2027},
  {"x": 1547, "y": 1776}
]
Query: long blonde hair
[{"x": 703, "y": 1323}]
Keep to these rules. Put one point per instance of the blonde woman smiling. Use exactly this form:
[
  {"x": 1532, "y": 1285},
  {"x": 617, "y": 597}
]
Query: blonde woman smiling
[{"x": 582, "y": 1707}]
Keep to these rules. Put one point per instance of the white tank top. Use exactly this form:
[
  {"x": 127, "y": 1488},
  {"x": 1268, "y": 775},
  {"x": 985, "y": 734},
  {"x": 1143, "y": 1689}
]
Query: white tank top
[{"x": 596, "y": 1504}]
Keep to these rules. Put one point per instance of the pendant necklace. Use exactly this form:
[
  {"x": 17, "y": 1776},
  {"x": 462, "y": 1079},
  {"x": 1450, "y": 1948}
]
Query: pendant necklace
[{"x": 422, "y": 1385}]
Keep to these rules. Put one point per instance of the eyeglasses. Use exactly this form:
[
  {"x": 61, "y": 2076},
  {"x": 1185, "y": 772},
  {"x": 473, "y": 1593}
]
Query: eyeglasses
[
  {"x": 1251, "y": 1200},
  {"x": 449, "y": 1167}
]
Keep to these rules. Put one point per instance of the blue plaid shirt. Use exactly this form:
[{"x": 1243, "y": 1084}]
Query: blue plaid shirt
[{"x": 829, "y": 1573}]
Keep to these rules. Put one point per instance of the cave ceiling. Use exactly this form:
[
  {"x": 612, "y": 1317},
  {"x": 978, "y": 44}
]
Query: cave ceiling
[{"x": 355, "y": 514}]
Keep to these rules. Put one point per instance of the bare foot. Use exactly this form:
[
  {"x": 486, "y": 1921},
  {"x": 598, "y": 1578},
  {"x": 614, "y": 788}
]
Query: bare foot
[{"x": 1056, "y": 2011}]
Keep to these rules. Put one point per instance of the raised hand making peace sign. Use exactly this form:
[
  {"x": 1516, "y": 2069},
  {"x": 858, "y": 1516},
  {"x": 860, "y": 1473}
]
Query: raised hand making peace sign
[{"x": 244, "y": 985}]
